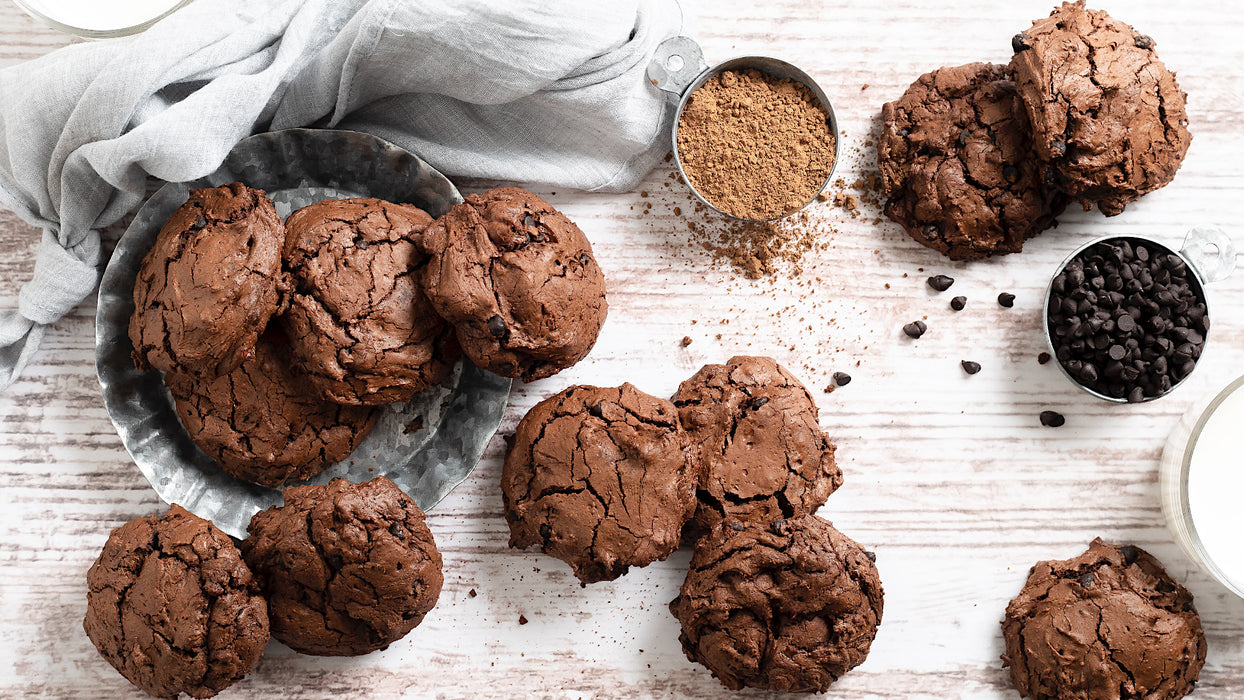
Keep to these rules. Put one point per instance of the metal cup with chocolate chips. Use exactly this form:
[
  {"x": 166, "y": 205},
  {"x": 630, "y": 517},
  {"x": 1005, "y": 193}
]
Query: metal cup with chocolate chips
[{"x": 1127, "y": 317}]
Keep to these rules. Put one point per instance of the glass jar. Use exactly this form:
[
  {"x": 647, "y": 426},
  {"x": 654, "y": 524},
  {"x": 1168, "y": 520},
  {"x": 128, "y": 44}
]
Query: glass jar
[
  {"x": 1201, "y": 479},
  {"x": 100, "y": 19}
]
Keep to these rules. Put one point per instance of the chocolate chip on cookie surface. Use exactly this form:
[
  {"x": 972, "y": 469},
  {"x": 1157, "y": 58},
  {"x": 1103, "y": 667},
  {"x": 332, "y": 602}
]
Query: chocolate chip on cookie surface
[
  {"x": 754, "y": 429},
  {"x": 1106, "y": 114},
  {"x": 789, "y": 605},
  {"x": 957, "y": 166},
  {"x": 263, "y": 423},
  {"x": 360, "y": 326},
  {"x": 518, "y": 282},
  {"x": 601, "y": 478},
  {"x": 173, "y": 607},
  {"x": 1109, "y": 624},
  {"x": 210, "y": 283},
  {"x": 347, "y": 568}
]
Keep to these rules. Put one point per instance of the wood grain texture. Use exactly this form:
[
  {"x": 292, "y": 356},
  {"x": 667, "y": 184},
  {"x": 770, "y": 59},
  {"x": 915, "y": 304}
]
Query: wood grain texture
[{"x": 950, "y": 478}]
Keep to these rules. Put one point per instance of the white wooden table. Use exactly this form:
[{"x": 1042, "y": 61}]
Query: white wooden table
[{"x": 950, "y": 478}]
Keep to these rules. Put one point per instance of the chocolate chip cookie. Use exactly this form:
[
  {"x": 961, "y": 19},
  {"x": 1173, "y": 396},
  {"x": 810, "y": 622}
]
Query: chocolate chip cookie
[
  {"x": 347, "y": 569},
  {"x": 1107, "y": 115},
  {"x": 209, "y": 285},
  {"x": 601, "y": 478},
  {"x": 173, "y": 607},
  {"x": 361, "y": 328},
  {"x": 263, "y": 423},
  {"x": 789, "y": 605},
  {"x": 517, "y": 280},
  {"x": 957, "y": 165},
  {"x": 1110, "y": 624},
  {"x": 754, "y": 429}
]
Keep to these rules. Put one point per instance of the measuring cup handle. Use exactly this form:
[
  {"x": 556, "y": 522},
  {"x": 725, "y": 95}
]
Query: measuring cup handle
[
  {"x": 677, "y": 62},
  {"x": 1210, "y": 251}
]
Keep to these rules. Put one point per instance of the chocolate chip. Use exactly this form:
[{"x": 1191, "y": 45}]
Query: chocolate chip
[
  {"x": 1086, "y": 580},
  {"x": 958, "y": 303},
  {"x": 1143, "y": 41},
  {"x": 970, "y": 367},
  {"x": 199, "y": 222},
  {"x": 941, "y": 282},
  {"x": 736, "y": 526},
  {"x": 546, "y": 531},
  {"x": 1006, "y": 299},
  {"x": 496, "y": 326},
  {"x": 842, "y": 378},
  {"x": 963, "y": 138},
  {"x": 1059, "y": 147},
  {"x": 1052, "y": 419},
  {"x": 1010, "y": 172},
  {"x": 1043, "y": 358},
  {"x": 778, "y": 526},
  {"x": 872, "y": 556},
  {"x": 929, "y": 232},
  {"x": 759, "y": 401},
  {"x": 529, "y": 221},
  {"x": 1129, "y": 553},
  {"x": 334, "y": 561},
  {"x": 1019, "y": 42},
  {"x": 396, "y": 530},
  {"x": 597, "y": 409},
  {"x": 915, "y": 329}
]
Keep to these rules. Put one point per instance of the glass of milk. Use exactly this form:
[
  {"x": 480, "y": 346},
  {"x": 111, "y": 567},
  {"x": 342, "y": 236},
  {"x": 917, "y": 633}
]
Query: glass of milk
[
  {"x": 100, "y": 19},
  {"x": 1201, "y": 479}
]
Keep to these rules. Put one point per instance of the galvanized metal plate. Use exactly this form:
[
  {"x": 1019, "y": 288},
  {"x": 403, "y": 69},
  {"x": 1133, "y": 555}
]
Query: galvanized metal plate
[{"x": 426, "y": 446}]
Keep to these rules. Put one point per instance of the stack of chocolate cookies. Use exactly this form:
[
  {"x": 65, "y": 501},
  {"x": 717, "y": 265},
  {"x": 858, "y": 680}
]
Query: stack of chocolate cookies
[
  {"x": 609, "y": 478},
  {"x": 976, "y": 159},
  {"x": 279, "y": 340}
]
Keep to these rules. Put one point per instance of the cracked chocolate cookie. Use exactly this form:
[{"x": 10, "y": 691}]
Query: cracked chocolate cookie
[
  {"x": 1106, "y": 114},
  {"x": 957, "y": 166},
  {"x": 1110, "y": 624},
  {"x": 601, "y": 479},
  {"x": 790, "y": 605},
  {"x": 518, "y": 282},
  {"x": 754, "y": 430},
  {"x": 262, "y": 423},
  {"x": 173, "y": 607},
  {"x": 209, "y": 285},
  {"x": 347, "y": 569},
  {"x": 361, "y": 328}
]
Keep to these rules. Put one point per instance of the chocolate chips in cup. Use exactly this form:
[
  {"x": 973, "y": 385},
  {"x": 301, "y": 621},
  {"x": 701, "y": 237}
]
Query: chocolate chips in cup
[{"x": 1127, "y": 319}]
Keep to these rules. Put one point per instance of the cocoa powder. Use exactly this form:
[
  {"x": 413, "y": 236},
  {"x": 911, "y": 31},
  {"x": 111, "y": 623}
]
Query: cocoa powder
[{"x": 756, "y": 146}]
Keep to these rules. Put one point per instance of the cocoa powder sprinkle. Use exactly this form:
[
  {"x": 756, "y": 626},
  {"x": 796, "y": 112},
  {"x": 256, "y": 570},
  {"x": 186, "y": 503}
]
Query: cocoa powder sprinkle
[{"x": 756, "y": 146}]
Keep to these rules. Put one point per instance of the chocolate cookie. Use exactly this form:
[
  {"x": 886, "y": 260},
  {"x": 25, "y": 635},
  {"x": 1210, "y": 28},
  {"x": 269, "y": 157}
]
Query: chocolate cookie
[
  {"x": 1109, "y": 624},
  {"x": 957, "y": 166},
  {"x": 347, "y": 569},
  {"x": 517, "y": 280},
  {"x": 600, "y": 478},
  {"x": 172, "y": 606},
  {"x": 1107, "y": 115},
  {"x": 789, "y": 605},
  {"x": 262, "y": 423},
  {"x": 754, "y": 429},
  {"x": 362, "y": 330},
  {"x": 209, "y": 285}
]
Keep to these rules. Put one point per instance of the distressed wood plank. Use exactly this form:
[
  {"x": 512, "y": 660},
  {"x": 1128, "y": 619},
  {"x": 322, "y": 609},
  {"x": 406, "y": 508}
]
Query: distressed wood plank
[{"x": 949, "y": 478}]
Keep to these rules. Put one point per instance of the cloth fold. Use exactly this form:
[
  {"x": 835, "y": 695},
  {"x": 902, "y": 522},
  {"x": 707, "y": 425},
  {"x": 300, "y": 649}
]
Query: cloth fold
[{"x": 528, "y": 91}]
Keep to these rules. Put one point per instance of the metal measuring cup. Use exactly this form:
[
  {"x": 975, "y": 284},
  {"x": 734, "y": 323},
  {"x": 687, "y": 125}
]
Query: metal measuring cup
[
  {"x": 1208, "y": 252},
  {"x": 678, "y": 67}
]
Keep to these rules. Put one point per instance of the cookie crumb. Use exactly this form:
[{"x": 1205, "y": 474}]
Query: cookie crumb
[
  {"x": 686, "y": 340},
  {"x": 522, "y": 619},
  {"x": 414, "y": 426},
  {"x": 471, "y": 593}
]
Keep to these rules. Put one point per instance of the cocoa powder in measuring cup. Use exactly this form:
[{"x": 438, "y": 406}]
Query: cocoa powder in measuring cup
[{"x": 755, "y": 146}]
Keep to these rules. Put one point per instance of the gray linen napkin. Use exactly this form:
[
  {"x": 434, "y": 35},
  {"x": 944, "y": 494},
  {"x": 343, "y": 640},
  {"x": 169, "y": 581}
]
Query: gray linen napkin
[{"x": 520, "y": 90}]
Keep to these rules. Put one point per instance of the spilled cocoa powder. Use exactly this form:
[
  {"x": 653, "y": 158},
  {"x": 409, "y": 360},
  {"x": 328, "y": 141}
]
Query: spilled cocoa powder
[{"x": 756, "y": 146}]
